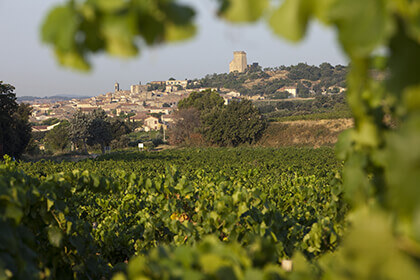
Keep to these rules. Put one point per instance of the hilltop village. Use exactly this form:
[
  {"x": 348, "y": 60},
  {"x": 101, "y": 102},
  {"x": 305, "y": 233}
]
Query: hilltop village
[
  {"x": 152, "y": 104},
  {"x": 138, "y": 104}
]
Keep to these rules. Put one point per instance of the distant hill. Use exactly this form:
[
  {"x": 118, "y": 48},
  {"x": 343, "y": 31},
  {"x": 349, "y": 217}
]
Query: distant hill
[
  {"x": 52, "y": 98},
  {"x": 308, "y": 79}
]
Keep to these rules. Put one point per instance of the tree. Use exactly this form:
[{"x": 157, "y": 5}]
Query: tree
[
  {"x": 187, "y": 127},
  {"x": 302, "y": 91},
  {"x": 187, "y": 123},
  {"x": 99, "y": 129},
  {"x": 96, "y": 128},
  {"x": 237, "y": 123},
  {"x": 58, "y": 138},
  {"x": 120, "y": 128},
  {"x": 79, "y": 130},
  {"x": 281, "y": 95},
  {"x": 202, "y": 101},
  {"x": 15, "y": 130}
]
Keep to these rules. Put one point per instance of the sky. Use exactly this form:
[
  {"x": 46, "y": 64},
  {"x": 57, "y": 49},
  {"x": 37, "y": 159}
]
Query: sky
[{"x": 31, "y": 67}]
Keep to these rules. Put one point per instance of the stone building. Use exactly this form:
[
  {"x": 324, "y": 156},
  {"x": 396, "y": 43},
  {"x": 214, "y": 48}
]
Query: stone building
[
  {"x": 291, "y": 90},
  {"x": 152, "y": 123},
  {"x": 239, "y": 63},
  {"x": 138, "y": 88},
  {"x": 182, "y": 83}
]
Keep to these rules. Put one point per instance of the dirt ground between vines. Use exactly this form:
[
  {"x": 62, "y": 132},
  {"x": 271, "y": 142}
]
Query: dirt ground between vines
[{"x": 315, "y": 133}]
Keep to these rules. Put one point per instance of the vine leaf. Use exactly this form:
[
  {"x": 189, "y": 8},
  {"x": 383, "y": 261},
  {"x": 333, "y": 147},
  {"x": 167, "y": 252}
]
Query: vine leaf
[
  {"x": 243, "y": 10},
  {"x": 404, "y": 62},
  {"x": 55, "y": 236},
  {"x": 363, "y": 25},
  {"x": 60, "y": 28},
  {"x": 291, "y": 19},
  {"x": 119, "y": 32},
  {"x": 178, "y": 33},
  {"x": 110, "y": 5}
]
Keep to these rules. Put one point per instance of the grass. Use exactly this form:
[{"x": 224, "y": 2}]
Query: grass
[
  {"x": 311, "y": 133},
  {"x": 316, "y": 116}
]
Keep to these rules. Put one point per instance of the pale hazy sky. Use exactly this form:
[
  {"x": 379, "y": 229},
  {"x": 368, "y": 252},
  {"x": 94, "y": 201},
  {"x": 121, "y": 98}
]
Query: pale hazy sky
[{"x": 31, "y": 66}]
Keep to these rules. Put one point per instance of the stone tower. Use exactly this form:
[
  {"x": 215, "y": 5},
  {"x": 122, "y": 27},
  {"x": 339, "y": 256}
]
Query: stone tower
[
  {"x": 117, "y": 87},
  {"x": 238, "y": 63}
]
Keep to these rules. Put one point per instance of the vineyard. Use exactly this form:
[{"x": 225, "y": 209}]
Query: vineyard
[
  {"x": 232, "y": 213},
  {"x": 192, "y": 213}
]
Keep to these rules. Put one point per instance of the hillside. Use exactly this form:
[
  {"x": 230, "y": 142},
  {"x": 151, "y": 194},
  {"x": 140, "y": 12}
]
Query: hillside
[
  {"x": 319, "y": 107},
  {"x": 269, "y": 82},
  {"x": 314, "y": 133}
]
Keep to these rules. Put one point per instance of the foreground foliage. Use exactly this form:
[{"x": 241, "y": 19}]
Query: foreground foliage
[
  {"x": 381, "y": 171},
  {"x": 15, "y": 130},
  {"x": 87, "y": 223}
]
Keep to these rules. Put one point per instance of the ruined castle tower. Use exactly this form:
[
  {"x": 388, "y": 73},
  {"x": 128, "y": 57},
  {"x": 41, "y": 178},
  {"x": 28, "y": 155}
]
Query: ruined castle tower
[{"x": 238, "y": 63}]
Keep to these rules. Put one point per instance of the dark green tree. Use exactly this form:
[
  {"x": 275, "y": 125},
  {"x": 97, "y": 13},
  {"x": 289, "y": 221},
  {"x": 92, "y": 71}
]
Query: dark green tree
[
  {"x": 237, "y": 123},
  {"x": 202, "y": 101},
  {"x": 91, "y": 129},
  {"x": 79, "y": 130},
  {"x": 58, "y": 138},
  {"x": 99, "y": 129},
  {"x": 302, "y": 91},
  {"x": 15, "y": 130},
  {"x": 120, "y": 128},
  {"x": 188, "y": 118}
]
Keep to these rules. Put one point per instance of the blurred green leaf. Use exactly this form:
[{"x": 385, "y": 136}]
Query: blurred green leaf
[
  {"x": 55, "y": 236},
  {"x": 60, "y": 27},
  {"x": 178, "y": 33},
  {"x": 363, "y": 25},
  {"x": 404, "y": 62},
  {"x": 13, "y": 212},
  {"x": 72, "y": 59},
  {"x": 110, "y": 6},
  {"x": 119, "y": 32},
  {"x": 291, "y": 19},
  {"x": 243, "y": 10}
]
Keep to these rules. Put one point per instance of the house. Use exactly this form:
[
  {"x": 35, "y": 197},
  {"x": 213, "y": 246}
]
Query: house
[
  {"x": 234, "y": 94},
  {"x": 139, "y": 117},
  {"x": 291, "y": 90},
  {"x": 157, "y": 83},
  {"x": 88, "y": 110},
  {"x": 42, "y": 128},
  {"x": 181, "y": 83},
  {"x": 152, "y": 123},
  {"x": 255, "y": 97},
  {"x": 163, "y": 110},
  {"x": 335, "y": 89}
]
